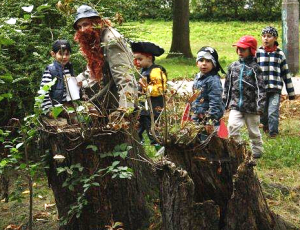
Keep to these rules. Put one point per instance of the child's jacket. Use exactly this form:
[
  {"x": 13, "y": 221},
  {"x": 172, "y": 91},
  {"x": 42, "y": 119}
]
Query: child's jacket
[
  {"x": 58, "y": 92},
  {"x": 156, "y": 84},
  {"x": 209, "y": 103},
  {"x": 275, "y": 70},
  {"x": 156, "y": 80},
  {"x": 244, "y": 88}
]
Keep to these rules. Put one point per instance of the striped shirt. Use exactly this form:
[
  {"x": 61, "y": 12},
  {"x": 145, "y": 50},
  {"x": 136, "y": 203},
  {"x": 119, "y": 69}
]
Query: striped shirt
[
  {"x": 275, "y": 70},
  {"x": 46, "y": 78}
]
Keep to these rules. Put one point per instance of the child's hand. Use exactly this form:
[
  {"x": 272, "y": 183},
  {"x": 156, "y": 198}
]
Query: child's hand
[{"x": 143, "y": 82}]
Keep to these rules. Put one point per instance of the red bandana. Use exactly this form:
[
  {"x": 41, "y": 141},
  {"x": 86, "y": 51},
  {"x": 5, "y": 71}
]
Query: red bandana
[{"x": 269, "y": 50}]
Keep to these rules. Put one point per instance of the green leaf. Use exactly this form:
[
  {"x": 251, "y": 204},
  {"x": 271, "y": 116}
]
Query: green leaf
[
  {"x": 96, "y": 184},
  {"x": 43, "y": 7},
  {"x": 23, "y": 166},
  {"x": 124, "y": 154},
  {"x": 7, "y": 78},
  {"x": 56, "y": 111},
  {"x": 3, "y": 163},
  {"x": 71, "y": 187},
  {"x": 115, "y": 163},
  {"x": 6, "y": 41},
  {"x": 123, "y": 146},
  {"x": 93, "y": 147}
]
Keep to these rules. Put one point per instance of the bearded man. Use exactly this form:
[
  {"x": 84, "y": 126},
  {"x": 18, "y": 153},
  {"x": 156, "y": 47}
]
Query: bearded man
[{"x": 110, "y": 61}]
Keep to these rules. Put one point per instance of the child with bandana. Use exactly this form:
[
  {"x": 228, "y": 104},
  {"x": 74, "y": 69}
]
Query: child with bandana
[
  {"x": 208, "y": 107},
  {"x": 275, "y": 71},
  {"x": 152, "y": 82},
  {"x": 244, "y": 94}
]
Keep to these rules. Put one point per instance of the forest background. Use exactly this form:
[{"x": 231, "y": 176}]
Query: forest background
[{"x": 26, "y": 36}]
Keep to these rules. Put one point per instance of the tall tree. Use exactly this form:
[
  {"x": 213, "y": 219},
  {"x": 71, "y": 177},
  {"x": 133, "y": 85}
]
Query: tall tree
[{"x": 181, "y": 31}]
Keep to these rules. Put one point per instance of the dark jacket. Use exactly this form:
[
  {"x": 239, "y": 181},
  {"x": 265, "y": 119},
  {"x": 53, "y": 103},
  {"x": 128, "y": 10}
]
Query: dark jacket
[
  {"x": 57, "y": 93},
  {"x": 209, "y": 102},
  {"x": 244, "y": 88}
]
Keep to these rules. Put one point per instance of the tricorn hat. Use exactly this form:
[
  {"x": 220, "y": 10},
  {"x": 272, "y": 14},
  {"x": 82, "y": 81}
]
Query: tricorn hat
[
  {"x": 84, "y": 11},
  {"x": 146, "y": 47}
]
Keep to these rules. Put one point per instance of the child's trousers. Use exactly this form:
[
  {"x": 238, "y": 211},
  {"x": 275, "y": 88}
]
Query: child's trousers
[{"x": 237, "y": 120}]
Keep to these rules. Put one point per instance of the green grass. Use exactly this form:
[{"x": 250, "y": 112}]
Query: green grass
[{"x": 220, "y": 35}]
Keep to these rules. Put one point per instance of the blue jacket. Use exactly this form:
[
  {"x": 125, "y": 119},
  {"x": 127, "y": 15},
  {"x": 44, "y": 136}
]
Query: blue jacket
[{"x": 209, "y": 103}]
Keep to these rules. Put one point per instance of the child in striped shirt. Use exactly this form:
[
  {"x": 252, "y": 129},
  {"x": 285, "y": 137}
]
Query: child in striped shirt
[
  {"x": 275, "y": 71},
  {"x": 60, "y": 69}
]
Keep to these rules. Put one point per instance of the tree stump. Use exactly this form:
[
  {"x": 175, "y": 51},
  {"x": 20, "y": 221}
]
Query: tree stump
[
  {"x": 213, "y": 187},
  {"x": 115, "y": 200}
]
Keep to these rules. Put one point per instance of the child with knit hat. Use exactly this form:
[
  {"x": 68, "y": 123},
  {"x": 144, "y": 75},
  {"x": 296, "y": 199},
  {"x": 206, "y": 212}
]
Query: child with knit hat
[
  {"x": 275, "y": 71},
  {"x": 208, "y": 107},
  {"x": 244, "y": 94}
]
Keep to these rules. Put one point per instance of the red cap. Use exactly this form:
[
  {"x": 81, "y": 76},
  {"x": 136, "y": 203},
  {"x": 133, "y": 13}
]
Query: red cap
[{"x": 247, "y": 42}]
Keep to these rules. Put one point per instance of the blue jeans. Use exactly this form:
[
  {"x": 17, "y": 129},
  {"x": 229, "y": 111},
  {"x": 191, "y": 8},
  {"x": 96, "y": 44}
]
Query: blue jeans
[{"x": 270, "y": 117}]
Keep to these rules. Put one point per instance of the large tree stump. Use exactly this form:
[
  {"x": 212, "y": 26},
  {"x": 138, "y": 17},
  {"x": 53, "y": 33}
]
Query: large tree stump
[
  {"x": 118, "y": 200},
  {"x": 213, "y": 187}
]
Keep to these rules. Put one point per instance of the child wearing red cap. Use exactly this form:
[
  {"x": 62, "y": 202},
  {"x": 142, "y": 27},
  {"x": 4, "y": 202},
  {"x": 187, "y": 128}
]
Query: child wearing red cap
[
  {"x": 275, "y": 71},
  {"x": 153, "y": 83},
  {"x": 244, "y": 94}
]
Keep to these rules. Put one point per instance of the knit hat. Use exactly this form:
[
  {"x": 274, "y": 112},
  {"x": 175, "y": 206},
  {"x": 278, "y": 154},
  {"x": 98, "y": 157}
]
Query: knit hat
[
  {"x": 210, "y": 53},
  {"x": 84, "y": 11},
  {"x": 270, "y": 30},
  {"x": 247, "y": 42},
  {"x": 61, "y": 45},
  {"x": 147, "y": 48}
]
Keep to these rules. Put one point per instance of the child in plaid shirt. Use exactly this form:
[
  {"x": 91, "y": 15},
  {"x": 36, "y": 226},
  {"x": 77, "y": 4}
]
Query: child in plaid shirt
[{"x": 275, "y": 71}]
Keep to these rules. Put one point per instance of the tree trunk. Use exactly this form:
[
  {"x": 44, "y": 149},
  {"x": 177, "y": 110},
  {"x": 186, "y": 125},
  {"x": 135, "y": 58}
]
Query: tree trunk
[
  {"x": 117, "y": 200},
  {"x": 181, "y": 31},
  {"x": 213, "y": 187}
]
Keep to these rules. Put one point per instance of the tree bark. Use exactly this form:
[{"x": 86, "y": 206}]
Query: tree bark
[
  {"x": 213, "y": 187},
  {"x": 181, "y": 31},
  {"x": 118, "y": 200}
]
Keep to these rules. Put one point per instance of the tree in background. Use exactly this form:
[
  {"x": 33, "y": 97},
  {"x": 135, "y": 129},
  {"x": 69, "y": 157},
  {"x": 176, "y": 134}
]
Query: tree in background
[{"x": 181, "y": 31}]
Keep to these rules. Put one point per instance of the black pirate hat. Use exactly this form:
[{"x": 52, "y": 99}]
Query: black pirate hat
[{"x": 146, "y": 47}]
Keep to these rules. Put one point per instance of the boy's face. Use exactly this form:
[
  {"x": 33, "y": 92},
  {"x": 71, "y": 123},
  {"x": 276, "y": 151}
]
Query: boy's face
[
  {"x": 205, "y": 65},
  {"x": 268, "y": 40},
  {"x": 84, "y": 24},
  {"x": 142, "y": 61},
  {"x": 63, "y": 57},
  {"x": 243, "y": 53}
]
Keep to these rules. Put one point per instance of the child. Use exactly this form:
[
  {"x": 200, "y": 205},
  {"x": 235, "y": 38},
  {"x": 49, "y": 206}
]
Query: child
[
  {"x": 244, "y": 94},
  {"x": 208, "y": 106},
  {"x": 275, "y": 71},
  {"x": 152, "y": 82},
  {"x": 60, "y": 69}
]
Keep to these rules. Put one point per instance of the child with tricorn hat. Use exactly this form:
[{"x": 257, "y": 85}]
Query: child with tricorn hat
[{"x": 152, "y": 82}]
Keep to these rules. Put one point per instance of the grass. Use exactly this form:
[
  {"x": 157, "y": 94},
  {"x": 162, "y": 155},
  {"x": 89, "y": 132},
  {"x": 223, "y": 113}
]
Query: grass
[
  {"x": 278, "y": 169},
  {"x": 220, "y": 35}
]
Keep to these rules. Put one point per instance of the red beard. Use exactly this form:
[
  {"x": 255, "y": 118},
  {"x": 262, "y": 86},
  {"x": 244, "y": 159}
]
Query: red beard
[{"x": 90, "y": 45}]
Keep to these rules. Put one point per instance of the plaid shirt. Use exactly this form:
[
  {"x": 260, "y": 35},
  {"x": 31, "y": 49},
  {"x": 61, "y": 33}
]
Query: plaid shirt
[{"x": 275, "y": 70}]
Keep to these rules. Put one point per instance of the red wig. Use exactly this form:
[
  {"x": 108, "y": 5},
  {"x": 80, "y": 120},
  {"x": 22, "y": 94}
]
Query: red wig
[{"x": 90, "y": 45}]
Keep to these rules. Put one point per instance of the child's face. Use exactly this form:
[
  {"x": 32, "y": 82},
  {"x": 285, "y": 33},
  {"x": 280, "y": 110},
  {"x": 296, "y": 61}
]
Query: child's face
[
  {"x": 205, "y": 65},
  {"x": 243, "y": 53},
  {"x": 63, "y": 57},
  {"x": 268, "y": 40},
  {"x": 142, "y": 61}
]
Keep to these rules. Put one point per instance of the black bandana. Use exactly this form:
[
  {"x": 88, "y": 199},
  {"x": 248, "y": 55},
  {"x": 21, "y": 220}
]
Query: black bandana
[{"x": 270, "y": 30}]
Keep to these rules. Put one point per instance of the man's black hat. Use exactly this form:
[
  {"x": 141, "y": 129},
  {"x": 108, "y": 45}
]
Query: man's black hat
[{"x": 146, "y": 47}]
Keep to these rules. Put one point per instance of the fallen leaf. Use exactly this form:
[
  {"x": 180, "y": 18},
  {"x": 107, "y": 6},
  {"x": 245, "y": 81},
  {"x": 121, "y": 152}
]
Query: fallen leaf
[
  {"x": 46, "y": 206},
  {"x": 26, "y": 192}
]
